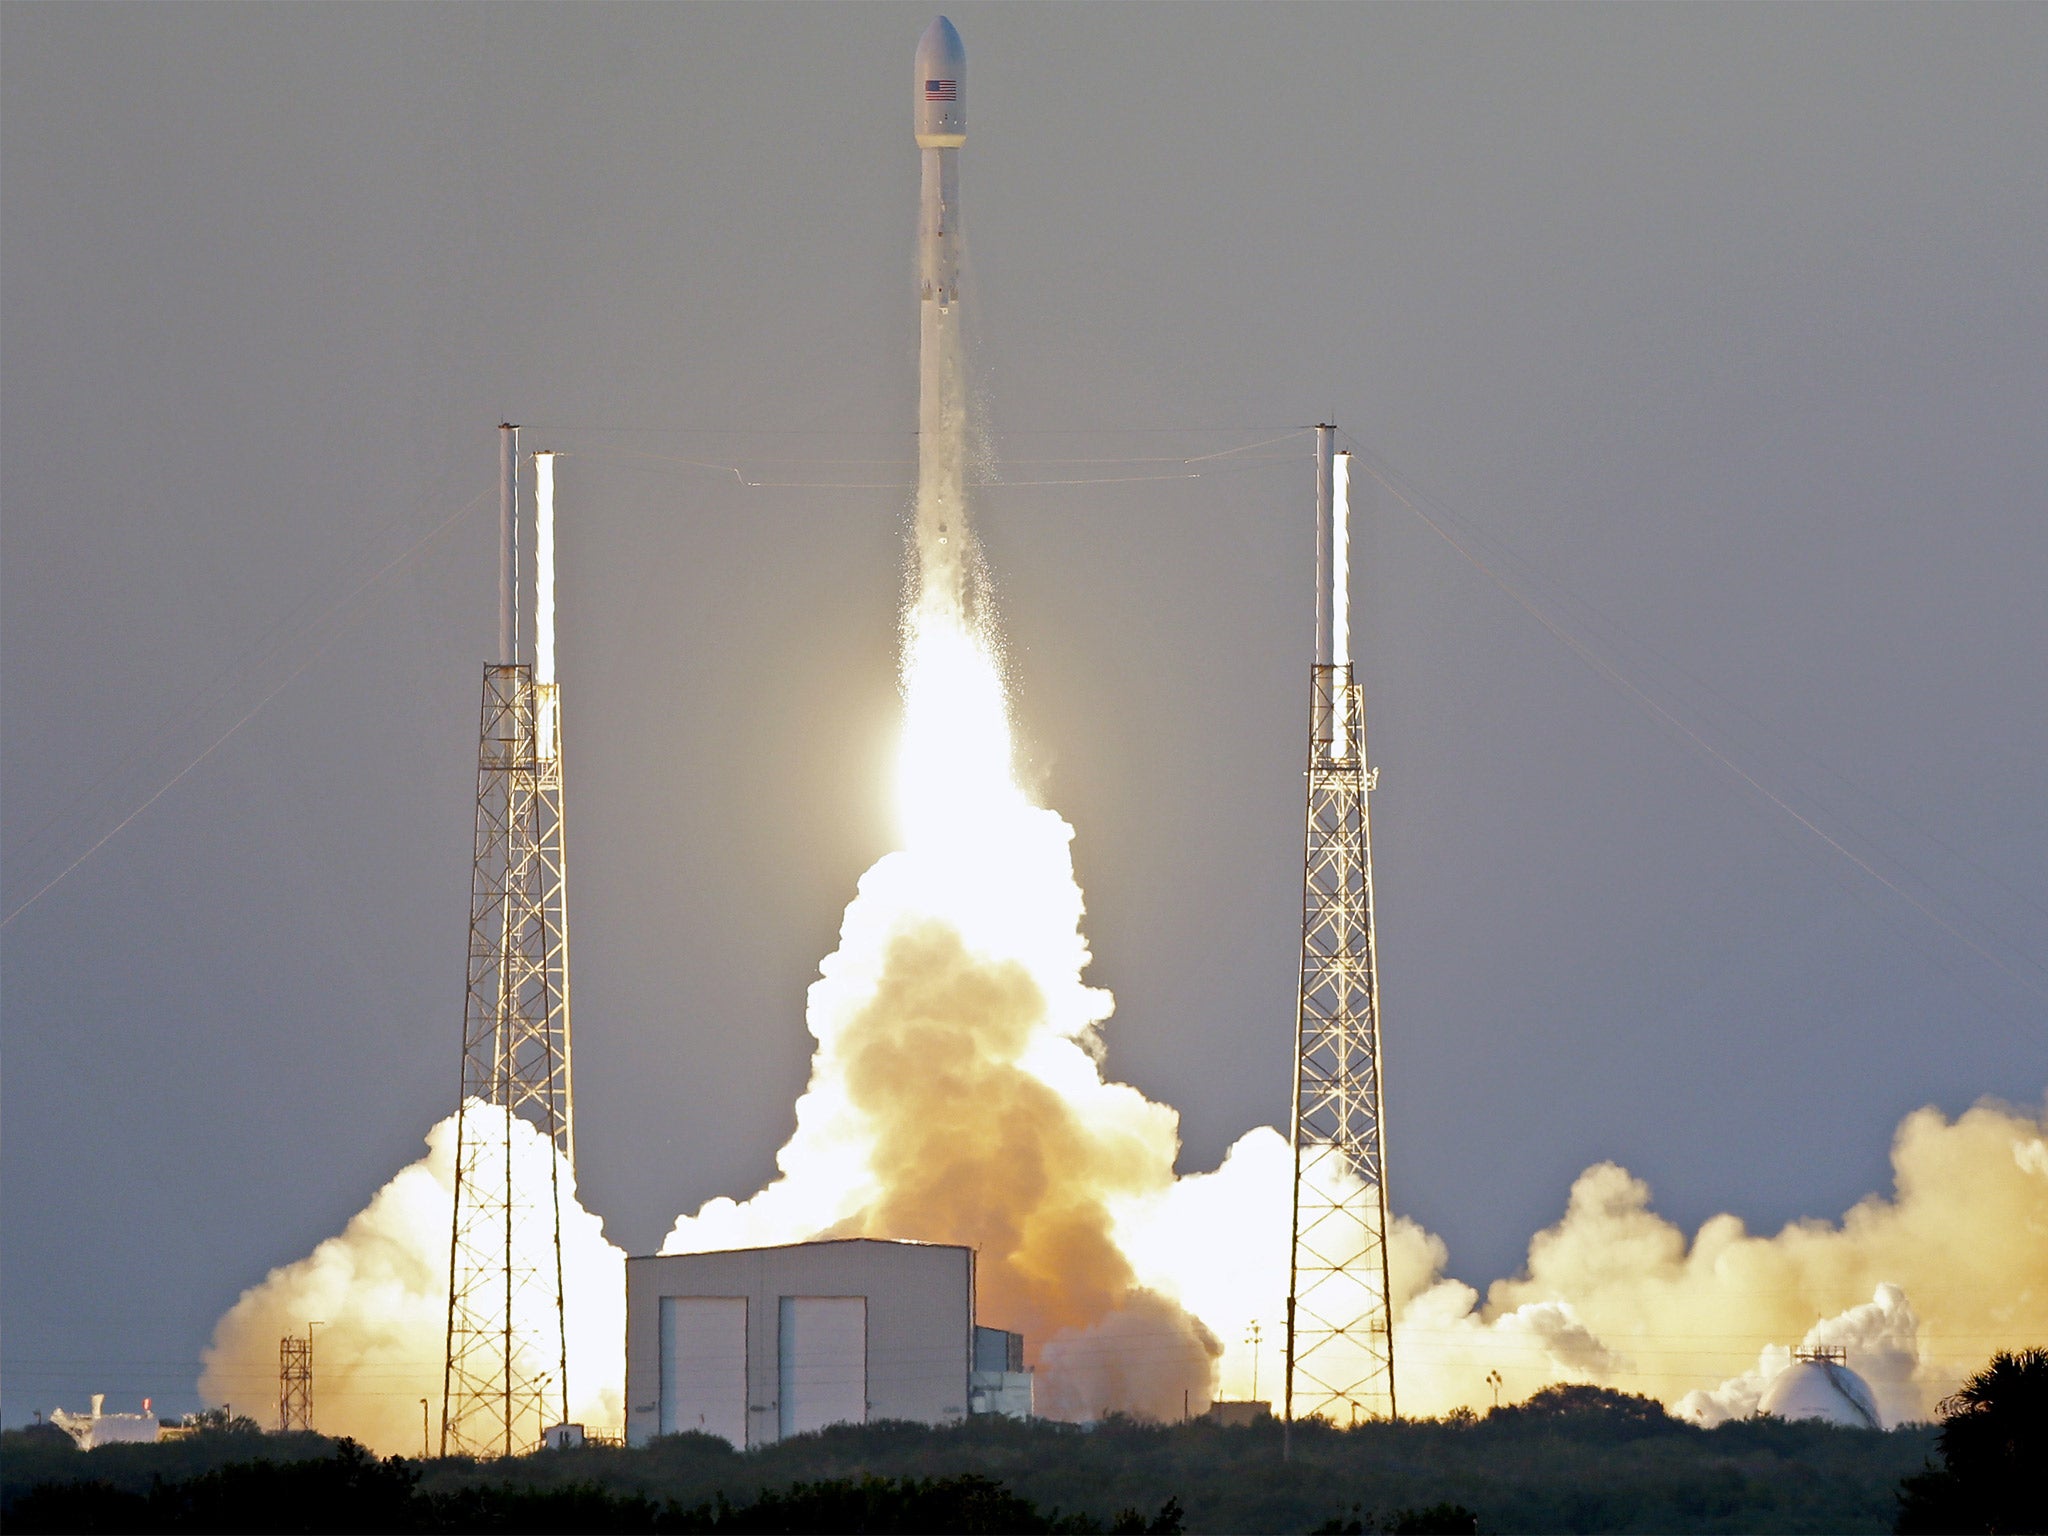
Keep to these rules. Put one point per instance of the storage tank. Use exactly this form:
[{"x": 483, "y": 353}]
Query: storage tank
[{"x": 1818, "y": 1384}]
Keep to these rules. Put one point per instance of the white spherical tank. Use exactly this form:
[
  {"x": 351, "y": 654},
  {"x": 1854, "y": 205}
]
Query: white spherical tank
[
  {"x": 1821, "y": 1389},
  {"x": 940, "y": 88}
]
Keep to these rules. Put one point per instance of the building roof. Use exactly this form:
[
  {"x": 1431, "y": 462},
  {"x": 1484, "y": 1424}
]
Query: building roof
[{"x": 811, "y": 1242}]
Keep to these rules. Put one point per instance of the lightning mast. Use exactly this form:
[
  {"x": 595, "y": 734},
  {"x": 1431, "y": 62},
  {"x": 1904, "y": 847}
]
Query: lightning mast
[
  {"x": 1340, "y": 1340},
  {"x": 506, "y": 1377}
]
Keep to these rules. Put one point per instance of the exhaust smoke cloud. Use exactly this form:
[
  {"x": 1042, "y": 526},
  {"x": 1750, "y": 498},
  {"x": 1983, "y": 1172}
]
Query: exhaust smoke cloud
[
  {"x": 380, "y": 1293},
  {"x": 1920, "y": 1287},
  {"x": 957, "y": 1094}
]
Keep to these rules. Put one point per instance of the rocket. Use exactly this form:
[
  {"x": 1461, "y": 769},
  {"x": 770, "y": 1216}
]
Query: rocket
[
  {"x": 939, "y": 97},
  {"x": 939, "y": 104}
]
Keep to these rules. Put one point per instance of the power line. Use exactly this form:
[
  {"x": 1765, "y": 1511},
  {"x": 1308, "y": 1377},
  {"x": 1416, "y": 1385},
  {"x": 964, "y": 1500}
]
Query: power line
[
  {"x": 317, "y": 652},
  {"x": 1613, "y": 674}
]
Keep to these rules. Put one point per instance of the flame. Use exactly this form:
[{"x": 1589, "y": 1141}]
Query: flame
[{"x": 955, "y": 789}]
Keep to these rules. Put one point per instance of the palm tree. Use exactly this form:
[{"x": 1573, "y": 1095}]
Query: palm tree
[{"x": 1993, "y": 1445}]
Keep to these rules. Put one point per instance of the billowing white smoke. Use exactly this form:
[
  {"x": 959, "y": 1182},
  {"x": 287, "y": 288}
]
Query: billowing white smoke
[
  {"x": 380, "y": 1293},
  {"x": 956, "y": 1094},
  {"x": 1919, "y": 1288},
  {"x": 1612, "y": 1294},
  {"x": 1884, "y": 1337},
  {"x": 1956, "y": 1261}
]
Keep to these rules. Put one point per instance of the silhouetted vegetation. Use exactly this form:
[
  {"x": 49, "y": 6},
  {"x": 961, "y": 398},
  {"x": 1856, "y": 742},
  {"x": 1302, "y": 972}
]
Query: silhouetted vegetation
[
  {"x": 347, "y": 1490},
  {"x": 1599, "y": 1413},
  {"x": 1994, "y": 1454},
  {"x": 1437, "y": 1520},
  {"x": 1570, "y": 1459},
  {"x": 351, "y": 1490},
  {"x": 216, "y": 1421}
]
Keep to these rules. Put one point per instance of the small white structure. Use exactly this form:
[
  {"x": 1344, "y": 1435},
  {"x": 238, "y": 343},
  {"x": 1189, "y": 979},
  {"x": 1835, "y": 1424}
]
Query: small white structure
[
  {"x": 1818, "y": 1384},
  {"x": 757, "y": 1344},
  {"x": 97, "y": 1428}
]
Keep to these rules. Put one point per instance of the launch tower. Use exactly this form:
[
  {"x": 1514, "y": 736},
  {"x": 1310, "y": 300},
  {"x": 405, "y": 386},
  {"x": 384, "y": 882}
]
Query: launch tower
[
  {"x": 1340, "y": 1341},
  {"x": 506, "y": 1378}
]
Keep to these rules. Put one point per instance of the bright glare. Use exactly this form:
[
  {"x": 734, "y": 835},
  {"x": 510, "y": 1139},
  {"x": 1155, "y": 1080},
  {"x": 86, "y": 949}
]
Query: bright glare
[{"x": 953, "y": 774}]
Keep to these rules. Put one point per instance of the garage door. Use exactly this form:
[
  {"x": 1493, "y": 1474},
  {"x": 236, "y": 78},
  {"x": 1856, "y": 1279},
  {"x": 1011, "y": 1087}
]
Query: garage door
[
  {"x": 822, "y": 1352},
  {"x": 704, "y": 1366}
]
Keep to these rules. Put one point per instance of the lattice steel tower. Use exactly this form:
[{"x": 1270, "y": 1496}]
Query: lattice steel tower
[
  {"x": 506, "y": 1378},
  {"x": 295, "y": 1383},
  {"x": 1340, "y": 1340}
]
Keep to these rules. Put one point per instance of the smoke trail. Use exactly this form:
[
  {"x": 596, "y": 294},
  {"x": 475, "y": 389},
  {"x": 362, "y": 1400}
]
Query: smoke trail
[{"x": 380, "y": 1292}]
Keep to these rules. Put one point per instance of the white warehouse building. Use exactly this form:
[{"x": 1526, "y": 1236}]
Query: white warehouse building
[{"x": 756, "y": 1344}]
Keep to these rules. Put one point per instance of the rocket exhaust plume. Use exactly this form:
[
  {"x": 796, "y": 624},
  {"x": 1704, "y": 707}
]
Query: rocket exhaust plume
[{"x": 956, "y": 1094}]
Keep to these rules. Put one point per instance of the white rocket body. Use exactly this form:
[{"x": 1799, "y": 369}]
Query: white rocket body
[
  {"x": 939, "y": 100},
  {"x": 939, "y": 103}
]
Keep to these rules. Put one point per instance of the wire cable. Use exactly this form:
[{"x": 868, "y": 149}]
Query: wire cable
[
  {"x": 1602, "y": 667},
  {"x": 314, "y": 655}
]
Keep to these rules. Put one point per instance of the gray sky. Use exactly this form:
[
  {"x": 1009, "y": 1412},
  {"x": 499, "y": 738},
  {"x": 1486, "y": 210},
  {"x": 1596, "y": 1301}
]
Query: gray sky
[{"x": 1717, "y": 331}]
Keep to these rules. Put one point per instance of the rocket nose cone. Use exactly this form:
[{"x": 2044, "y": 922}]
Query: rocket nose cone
[
  {"x": 940, "y": 52},
  {"x": 939, "y": 87}
]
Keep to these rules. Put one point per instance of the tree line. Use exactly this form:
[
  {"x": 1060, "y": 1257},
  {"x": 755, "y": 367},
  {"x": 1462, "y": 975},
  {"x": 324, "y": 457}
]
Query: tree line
[{"x": 1572, "y": 1458}]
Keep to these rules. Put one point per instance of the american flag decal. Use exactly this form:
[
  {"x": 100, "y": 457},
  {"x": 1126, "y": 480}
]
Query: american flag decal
[{"x": 941, "y": 90}]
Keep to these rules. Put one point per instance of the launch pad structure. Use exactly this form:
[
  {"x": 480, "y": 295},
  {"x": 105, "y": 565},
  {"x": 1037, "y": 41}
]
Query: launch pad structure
[
  {"x": 1340, "y": 1339},
  {"x": 506, "y": 1375},
  {"x": 505, "y": 1382}
]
